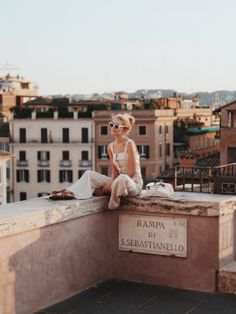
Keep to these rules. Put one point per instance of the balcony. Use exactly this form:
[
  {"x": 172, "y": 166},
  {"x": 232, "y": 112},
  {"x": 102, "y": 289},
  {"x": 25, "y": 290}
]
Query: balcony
[
  {"x": 43, "y": 163},
  {"x": 104, "y": 156},
  {"x": 85, "y": 163},
  {"x": 22, "y": 163},
  {"x": 54, "y": 250},
  {"x": 65, "y": 163}
]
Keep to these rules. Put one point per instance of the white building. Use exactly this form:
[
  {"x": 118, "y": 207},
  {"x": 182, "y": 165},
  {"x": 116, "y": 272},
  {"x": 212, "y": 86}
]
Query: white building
[
  {"x": 50, "y": 153},
  {"x": 4, "y": 159}
]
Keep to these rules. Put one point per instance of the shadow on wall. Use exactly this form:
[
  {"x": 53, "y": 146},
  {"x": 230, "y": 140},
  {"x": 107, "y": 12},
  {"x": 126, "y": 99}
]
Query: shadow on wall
[
  {"x": 48, "y": 265},
  {"x": 227, "y": 236}
]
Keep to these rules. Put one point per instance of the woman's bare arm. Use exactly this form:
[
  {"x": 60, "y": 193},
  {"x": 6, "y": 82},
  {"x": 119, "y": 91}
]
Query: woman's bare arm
[
  {"x": 132, "y": 152},
  {"x": 114, "y": 172}
]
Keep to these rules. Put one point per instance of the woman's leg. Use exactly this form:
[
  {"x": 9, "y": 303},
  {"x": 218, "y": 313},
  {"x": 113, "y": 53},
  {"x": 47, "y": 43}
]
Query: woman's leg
[
  {"x": 123, "y": 185},
  {"x": 85, "y": 186}
]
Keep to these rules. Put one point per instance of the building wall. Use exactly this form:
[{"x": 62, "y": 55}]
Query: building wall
[
  {"x": 227, "y": 132},
  {"x": 153, "y": 121},
  {"x": 55, "y": 147}
]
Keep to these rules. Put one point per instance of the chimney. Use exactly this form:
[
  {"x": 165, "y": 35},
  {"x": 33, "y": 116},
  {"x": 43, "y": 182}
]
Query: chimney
[
  {"x": 55, "y": 114},
  {"x": 75, "y": 114},
  {"x": 33, "y": 114}
]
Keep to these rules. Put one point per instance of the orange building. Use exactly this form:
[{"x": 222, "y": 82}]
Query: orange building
[
  {"x": 152, "y": 133},
  {"x": 228, "y": 133}
]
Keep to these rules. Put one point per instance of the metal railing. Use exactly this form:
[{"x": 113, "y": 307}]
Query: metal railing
[
  {"x": 194, "y": 179},
  {"x": 65, "y": 163},
  {"x": 218, "y": 180},
  {"x": 22, "y": 163},
  {"x": 85, "y": 163}
]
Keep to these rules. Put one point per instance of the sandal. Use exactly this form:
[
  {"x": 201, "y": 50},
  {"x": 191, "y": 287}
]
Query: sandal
[
  {"x": 61, "y": 195},
  {"x": 100, "y": 192}
]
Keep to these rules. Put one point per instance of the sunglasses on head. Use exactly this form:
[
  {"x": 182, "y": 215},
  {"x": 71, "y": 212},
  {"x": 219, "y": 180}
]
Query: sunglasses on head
[{"x": 116, "y": 126}]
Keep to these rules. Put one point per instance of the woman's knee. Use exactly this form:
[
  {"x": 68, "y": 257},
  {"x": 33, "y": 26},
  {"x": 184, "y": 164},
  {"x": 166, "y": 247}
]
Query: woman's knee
[{"x": 121, "y": 179}]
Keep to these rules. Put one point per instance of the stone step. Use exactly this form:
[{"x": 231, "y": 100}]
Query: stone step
[{"x": 227, "y": 278}]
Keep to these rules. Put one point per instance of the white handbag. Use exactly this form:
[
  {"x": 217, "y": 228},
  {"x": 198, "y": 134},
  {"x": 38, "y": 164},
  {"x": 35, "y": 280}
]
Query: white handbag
[{"x": 159, "y": 189}]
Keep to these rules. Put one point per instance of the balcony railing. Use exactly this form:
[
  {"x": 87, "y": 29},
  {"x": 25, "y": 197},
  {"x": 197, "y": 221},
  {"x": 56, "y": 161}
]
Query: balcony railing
[
  {"x": 43, "y": 163},
  {"x": 52, "y": 141},
  {"x": 194, "y": 179},
  {"x": 217, "y": 180},
  {"x": 65, "y": 163},
  {"x": 22, "y": 163},
  {"x": 85, "y": 163}
]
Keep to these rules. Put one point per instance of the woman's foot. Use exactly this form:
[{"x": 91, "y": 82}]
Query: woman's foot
[{"x": 61, "y": 195}]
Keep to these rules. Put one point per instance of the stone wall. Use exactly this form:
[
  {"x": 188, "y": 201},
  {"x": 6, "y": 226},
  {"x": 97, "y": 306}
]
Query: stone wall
[{"x": 53, "y": 250}]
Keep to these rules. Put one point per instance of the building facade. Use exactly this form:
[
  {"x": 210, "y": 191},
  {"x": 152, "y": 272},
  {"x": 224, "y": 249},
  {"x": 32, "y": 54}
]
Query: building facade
[
  {"x": 228, "y": 133},
  {"x": 49, "y": 153},
  {"x": 14, "y": 90},
  {"x": 152, "y": 133}
]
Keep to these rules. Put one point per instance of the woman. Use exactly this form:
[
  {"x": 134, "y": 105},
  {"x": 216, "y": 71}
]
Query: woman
[{"x": 126, "y": 175}]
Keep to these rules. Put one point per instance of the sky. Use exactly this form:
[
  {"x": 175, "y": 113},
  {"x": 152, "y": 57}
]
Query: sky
[{"x": 96, "y": 46}]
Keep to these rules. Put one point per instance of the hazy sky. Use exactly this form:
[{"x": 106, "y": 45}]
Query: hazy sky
[{"x": 86, "y": 46}]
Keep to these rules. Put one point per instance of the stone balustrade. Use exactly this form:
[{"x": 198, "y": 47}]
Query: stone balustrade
[{"x": 51, "y": 250}]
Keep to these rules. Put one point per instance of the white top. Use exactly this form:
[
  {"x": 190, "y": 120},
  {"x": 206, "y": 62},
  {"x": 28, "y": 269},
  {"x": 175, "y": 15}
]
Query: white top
[{"x": 120, "y": 161}]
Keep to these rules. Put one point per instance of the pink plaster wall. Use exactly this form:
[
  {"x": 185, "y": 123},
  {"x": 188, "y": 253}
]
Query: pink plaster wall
[
  {"x": 65, "y": 259},
  {"x": 44, "y": 266},
  {"x": 196, "y": 272}
]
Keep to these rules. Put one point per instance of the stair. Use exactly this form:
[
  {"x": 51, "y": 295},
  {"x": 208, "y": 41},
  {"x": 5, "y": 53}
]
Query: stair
[{"x": 227, "y": 279}]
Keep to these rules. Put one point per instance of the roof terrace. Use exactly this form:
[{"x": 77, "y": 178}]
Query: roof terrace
[{"x": 53, "y": 250}]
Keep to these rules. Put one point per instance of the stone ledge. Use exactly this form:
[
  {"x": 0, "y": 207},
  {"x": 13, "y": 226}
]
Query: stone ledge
[
  {"x": 183, "y": 203},
  {"x": 40, "y": 212}
]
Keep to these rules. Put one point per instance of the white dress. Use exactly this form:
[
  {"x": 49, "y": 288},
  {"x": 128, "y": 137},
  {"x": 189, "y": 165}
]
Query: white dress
[{"x": 123, "y": 185}]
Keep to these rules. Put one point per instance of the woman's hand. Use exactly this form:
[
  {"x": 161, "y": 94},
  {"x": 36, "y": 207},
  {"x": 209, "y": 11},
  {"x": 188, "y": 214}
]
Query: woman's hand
[{"x": 107, "y": 187}]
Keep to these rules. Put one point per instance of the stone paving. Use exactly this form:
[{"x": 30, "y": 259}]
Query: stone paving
[{"x": 122, "y": 297}]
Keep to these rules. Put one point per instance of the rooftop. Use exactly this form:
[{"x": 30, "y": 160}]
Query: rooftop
[{"x": 123, "y": 297}]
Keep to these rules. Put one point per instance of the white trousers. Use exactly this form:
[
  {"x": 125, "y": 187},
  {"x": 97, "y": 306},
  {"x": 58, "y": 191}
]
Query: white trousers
[{"x": 123, "y": 185}]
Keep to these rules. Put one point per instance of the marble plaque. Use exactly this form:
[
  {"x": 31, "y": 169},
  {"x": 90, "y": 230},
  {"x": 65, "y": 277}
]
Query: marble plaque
[{"x": 153, "y": 235}]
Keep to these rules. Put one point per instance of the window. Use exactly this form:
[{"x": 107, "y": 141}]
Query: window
[
  {"x": 104, "y": 170},
  {"x": 22, "y": 175},
  {"x": 44, "y": 135},
  {"x": 167, "y": 149},
  {"x": 65, "y": 155},
  {"x": 43, "y": 194},
  {"x": 160, "y": 129},
  {"x": 22, "y": 135},
  {"x": 80, "y": 173},
  {"x": 84, "y": 135},
  {"x": 231, "y": 119},
  {"x": 66, "y": 176},
  {"x": 103, "y": 130},
  {"x": 22, "y": 155},
  {"x": 166, "y": 129},
  {"x": 160, "y": 150},
  {"x": 142, "y": 130},
  {"x": 44, "y": 176},
  {"x": 143, "y": 151},
  {"x": 43, "y": 155},
  {"x": 102, "y": 152},
  {"x": 84, "y": 155},
  {"x": 65, "y": 135},
  {"x": 23, "y": 196}
]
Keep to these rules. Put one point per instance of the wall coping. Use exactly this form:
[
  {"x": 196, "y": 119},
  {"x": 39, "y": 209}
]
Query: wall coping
[
  {"x": 183, "y": 203},
  {"x": 40, "y": 212}
]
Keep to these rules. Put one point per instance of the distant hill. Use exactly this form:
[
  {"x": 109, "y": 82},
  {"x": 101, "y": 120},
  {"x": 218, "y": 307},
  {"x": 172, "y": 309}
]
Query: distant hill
[{"x": 206, "y": 98}]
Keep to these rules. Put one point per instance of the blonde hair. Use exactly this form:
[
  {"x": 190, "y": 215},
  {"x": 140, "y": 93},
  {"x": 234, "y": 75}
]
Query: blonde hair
[{"x": 127, "y": 119}]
